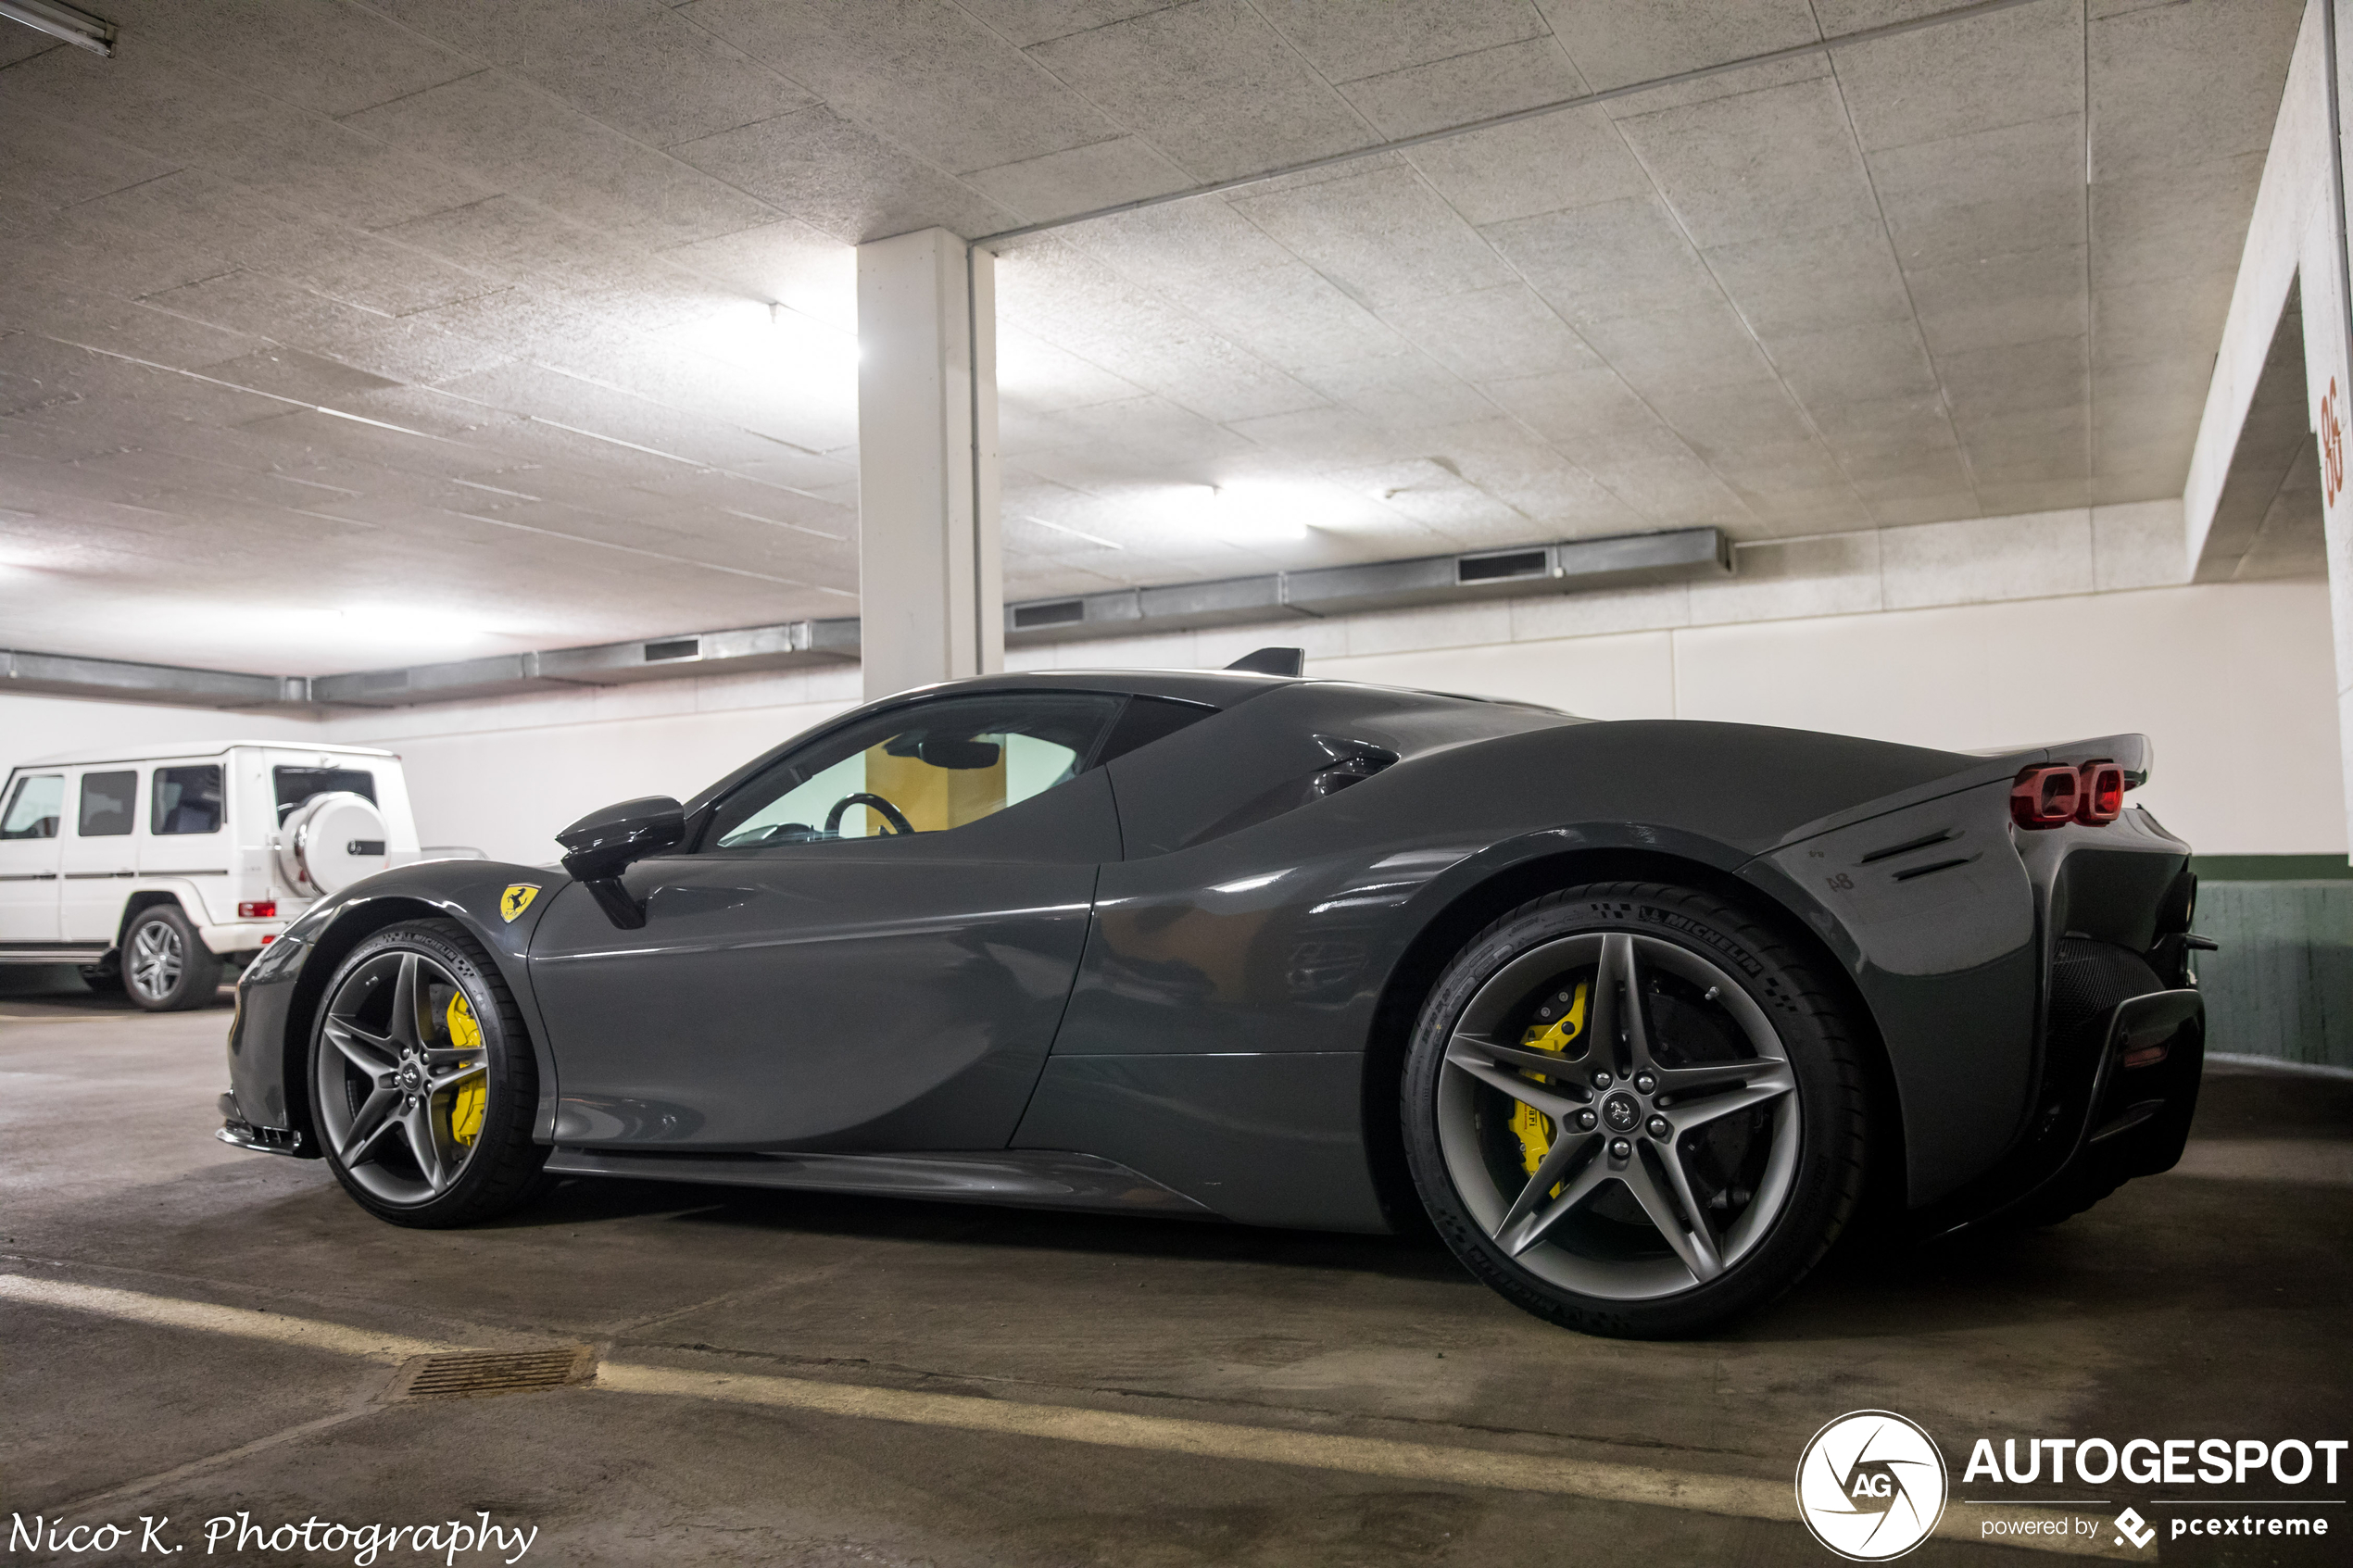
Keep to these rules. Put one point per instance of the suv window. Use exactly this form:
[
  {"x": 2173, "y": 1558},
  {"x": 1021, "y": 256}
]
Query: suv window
[
  {"x": 926, "y": 769},
  {"x": 187, "y": 799},
  {"x": 296, "y": 786},
  {"x": 33, "y": 809},
  {"x": 108, "y": 802}
]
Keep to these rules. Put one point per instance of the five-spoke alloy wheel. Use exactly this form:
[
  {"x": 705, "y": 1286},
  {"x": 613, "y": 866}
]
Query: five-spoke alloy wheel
[
  {"x": 422, "y": 1080},
  {"x": 1635, "y": 1110}
]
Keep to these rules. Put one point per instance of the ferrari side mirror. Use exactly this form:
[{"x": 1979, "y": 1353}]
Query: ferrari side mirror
[{"x": 600, "y": 846}]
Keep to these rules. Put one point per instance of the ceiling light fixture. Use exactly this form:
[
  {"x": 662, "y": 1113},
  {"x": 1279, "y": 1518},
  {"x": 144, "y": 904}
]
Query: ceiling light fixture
[
  {"x": 1254, "y": 511},
  {"x": 813, "y": 335},
  {"x": 62, "y": 21}
]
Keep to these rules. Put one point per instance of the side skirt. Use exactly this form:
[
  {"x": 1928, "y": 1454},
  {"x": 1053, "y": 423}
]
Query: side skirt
[{"x": 1020, "y": 1178}]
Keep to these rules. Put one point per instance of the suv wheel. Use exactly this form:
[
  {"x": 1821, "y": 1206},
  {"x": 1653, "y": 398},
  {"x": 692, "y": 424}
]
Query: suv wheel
[{"x": 165, "y": 966}]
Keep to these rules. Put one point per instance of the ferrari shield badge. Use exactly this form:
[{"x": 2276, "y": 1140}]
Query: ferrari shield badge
[{"x": 516, "y": 899}]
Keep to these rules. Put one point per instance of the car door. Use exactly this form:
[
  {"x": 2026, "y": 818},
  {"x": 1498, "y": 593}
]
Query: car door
[
  {"x": 29, "y": 822},
  {"x": 867, "y": 945},
  {"x": 100, "y": 854}
]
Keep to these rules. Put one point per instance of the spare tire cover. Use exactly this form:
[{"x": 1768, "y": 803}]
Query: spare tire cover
[{"x": 336, "y": 839}]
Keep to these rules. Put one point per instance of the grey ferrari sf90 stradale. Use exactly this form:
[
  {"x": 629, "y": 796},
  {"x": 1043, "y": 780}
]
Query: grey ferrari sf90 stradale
[{"x": 1638, "y": 1014}]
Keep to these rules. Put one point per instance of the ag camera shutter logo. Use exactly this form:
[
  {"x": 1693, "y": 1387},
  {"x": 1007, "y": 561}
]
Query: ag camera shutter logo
[{"x": 1871, "y": 1485}]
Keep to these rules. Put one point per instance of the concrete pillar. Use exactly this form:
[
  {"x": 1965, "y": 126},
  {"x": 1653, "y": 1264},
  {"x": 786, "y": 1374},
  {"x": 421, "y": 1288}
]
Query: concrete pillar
[
  {"x": 2295, "y": 238},
  {"x": 930, "y": 577},
  {"x": 2332, "y": 377}
]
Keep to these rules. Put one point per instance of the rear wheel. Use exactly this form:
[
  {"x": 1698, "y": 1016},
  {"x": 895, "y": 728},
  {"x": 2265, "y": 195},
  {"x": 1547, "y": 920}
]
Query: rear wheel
[
  {"x": 1633, "y": 1109},
  {"x": 165, "y": 966},
  {"x": 422, "y": 1080}
]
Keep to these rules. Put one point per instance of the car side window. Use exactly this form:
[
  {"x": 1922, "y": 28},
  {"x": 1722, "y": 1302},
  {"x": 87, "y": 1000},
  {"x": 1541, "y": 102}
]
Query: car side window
[
  {"x": 34, "y": 807},
  {"x": 108, "y": 802},
  {"x": 187, "y": 800},
  {"x": 931, "y": 768}
]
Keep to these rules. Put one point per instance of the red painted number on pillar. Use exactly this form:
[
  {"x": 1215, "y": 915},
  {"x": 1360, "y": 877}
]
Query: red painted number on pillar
[{"x": 2332, "y": 445}]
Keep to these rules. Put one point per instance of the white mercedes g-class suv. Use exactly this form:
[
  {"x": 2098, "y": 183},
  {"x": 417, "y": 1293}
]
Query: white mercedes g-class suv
[{"x": 154, "y": 869}]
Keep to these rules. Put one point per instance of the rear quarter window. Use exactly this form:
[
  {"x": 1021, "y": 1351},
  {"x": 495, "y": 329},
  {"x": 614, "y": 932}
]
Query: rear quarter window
[{"x": 187, "y": 799}]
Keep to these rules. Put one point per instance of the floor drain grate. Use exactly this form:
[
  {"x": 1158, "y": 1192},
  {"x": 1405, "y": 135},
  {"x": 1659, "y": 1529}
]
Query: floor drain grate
[{"x": 482, "y": 1374}]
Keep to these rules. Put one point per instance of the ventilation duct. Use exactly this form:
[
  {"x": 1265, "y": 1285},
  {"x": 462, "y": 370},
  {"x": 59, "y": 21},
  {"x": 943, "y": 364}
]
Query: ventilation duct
[{"x": 1567, "y": 566}]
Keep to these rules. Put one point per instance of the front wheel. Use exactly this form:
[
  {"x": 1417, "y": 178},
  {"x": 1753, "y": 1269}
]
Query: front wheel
[
  {"x": 422, "y": 1080},
  {"x": 1635, "y": 1110}
]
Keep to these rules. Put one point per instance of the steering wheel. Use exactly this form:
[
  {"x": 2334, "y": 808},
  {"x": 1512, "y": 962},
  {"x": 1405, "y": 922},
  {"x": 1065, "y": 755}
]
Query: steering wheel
[{"x": 899, "y": 825}]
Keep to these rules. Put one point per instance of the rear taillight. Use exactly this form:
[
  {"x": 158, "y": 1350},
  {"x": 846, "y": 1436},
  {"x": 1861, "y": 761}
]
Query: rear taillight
[
  {"x": 2055, "y": 796},
  {"x": 2045, "y": 798},
  {"x": 260, "y": 908},
  {"x": 2101, "y": 799}
]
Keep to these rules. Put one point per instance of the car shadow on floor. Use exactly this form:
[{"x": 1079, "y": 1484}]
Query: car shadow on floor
[
  {"x": 1416, "y": 1255},
  {"x": 56, "y": 991}
]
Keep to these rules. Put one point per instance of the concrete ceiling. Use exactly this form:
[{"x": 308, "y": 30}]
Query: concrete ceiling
[{"x": 340, "y": 334}]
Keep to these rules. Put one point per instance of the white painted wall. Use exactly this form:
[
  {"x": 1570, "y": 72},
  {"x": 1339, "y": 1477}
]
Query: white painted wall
[
  {"x": 1989, "y": 632},
  {"x": 2233, "y": 681},
  {"x": 42, "y": 726},
  {"x": 504, "y": 776}
]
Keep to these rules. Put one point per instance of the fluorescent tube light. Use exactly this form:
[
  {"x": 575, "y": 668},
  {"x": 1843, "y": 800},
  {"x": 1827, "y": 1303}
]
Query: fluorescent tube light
[{"x": 60, "y": 20}]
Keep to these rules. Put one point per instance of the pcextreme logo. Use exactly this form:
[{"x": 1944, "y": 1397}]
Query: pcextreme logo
[{"x": 1871, "y": 1485}]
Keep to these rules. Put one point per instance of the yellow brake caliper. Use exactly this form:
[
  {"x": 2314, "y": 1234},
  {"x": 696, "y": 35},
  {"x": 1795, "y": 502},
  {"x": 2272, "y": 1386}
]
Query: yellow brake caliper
[
  {"x": 465, "y": 1106},
  {"x": 1531, "y": 1127}
]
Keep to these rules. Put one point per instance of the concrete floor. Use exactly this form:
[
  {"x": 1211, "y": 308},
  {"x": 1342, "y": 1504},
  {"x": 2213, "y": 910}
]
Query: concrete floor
[{"x": 2208, "y": 1302}]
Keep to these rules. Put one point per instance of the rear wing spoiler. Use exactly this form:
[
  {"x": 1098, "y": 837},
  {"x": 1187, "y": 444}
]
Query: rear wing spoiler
[{"x": 2134, "y": 753}]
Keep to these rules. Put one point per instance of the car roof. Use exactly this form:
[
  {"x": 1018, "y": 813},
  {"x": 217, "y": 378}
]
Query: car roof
[
  {"x": 191, "y": 748},
  {"x": 1220, "y": 688}
]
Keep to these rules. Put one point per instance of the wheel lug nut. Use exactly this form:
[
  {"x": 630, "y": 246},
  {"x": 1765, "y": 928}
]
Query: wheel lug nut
[
  {"x": 1601, "y": 1080},
  {"x": 1658, "y": 1127},
  {"x": 1586, "y": 1120},
  {"x": 1620, "y": 1148},
  {"x": 1645, "y": 1082}
]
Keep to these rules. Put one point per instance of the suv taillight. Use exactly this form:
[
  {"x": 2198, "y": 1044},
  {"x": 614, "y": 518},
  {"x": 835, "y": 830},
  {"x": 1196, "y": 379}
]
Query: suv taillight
[{"x": 260, "y": 908}]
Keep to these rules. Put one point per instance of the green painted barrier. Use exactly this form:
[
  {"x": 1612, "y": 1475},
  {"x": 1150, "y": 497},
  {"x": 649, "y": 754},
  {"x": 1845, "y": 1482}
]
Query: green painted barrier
[{"x": 2281, "y": 983}]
